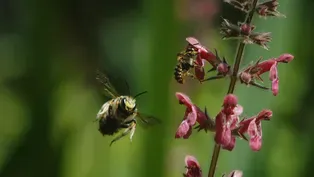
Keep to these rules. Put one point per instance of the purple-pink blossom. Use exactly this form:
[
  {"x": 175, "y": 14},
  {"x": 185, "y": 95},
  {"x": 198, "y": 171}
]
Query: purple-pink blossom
[
  {"x": 226, "y": 121},
  {"x": 229, "y": 126},
  {"x": 253, "y": 73},
  {"x": 203, "y": 54},
  {"x": 253, "y": 127},
  {"x": 192, "y": 115},
  {"x": 192, "y": 166}
]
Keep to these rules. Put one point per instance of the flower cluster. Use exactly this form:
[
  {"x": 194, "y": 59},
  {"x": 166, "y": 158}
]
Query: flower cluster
[
  {"x": 229, "y": 124},
  {"x": 244, "y": 32},
  {"x": 193, "y": 168}
]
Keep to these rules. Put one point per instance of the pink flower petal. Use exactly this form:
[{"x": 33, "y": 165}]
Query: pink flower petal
[
  {"x": 184, "y": 99},
  {"x": 204, "y": 54},
  {"x": 255, "y": 133},
  {"x": 191, "y": 161},
  {"x": 285, "y": 58},
  {"x": 264, "y": 66},
  {"x": 223, "y": 131},
  {"x": 275, "y": 87},
  {"x": 256, "y": 143},
  {"x": 194, "y": 42},
  {"x": 273, "y": 73},
  {"x": 231, "y": 144},
  {"x": 188, "y": 134},
  {"x": 265, "y": 114},
  {"x": 191, "y": 115},
  {"x": 199, "y": 61},
  {"x": 252, "y": 128},
  {"x": 183, "y": 130},
  {"x": 199, "y": 73},
  {"x": 238, "y": 110},
  {"x": 234, "y": 121}
]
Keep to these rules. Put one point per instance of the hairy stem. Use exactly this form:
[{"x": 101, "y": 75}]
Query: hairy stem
[{"x": 232, "y": 84}]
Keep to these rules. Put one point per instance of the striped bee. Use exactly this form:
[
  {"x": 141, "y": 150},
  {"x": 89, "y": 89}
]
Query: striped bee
[
  {"x": 185, "y": 63},
  {"x": 120, "y": 112}
]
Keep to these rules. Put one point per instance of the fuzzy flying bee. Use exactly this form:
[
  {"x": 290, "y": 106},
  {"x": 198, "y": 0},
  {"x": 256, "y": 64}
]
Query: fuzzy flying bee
[
  {"x": 185, "y": 63},
  {"x": 119, "y": 112}
]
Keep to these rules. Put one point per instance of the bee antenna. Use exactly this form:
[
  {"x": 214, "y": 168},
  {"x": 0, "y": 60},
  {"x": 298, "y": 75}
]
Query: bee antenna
[
  {"x": 128, "y": 87},
  {"x": 140, "y": 94}
]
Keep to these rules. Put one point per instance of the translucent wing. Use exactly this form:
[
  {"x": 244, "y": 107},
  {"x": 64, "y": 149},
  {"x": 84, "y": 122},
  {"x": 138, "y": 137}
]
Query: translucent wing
[
  {"x": 108, "y": 87},
  {"x": 147, "y": 120}
]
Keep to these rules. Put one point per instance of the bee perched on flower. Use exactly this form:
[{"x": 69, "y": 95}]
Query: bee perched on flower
[
  {"x": 119, "y": 112},
  {"x": 185, "y": 63},
  {"x": 194, "y": 57}
]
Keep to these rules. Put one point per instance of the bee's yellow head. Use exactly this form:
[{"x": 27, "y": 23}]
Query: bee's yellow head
[{"x": 129, "y": 103}]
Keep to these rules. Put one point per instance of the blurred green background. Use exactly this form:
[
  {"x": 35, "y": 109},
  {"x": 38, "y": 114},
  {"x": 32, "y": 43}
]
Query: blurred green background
[{"x": 49, "y": 51}]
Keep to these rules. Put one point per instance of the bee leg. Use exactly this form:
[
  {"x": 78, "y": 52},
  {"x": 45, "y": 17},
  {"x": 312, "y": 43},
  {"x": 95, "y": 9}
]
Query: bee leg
[
  {"x": 191, "y": 75},
  {"x": 130, "y": 128},
  {"x": 127, "y": 124}
]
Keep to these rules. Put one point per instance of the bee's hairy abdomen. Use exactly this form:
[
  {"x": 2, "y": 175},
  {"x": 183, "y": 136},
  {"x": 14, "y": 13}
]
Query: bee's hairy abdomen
[
  {"x": 178, "y": 73},
  {"x": 109, "y": 125},
  {"x": 181, "y": 70}
]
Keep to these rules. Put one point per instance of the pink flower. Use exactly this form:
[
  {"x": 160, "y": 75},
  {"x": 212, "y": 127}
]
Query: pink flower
[
  {"x": 192, "y": 166},
  {"x": 226, "y": 121},
  {"x": 228, "y": 126},
  {"x": 253, "y": 127},
  {"x": 250, "y": 74},
  {"x": 192, "y": 115},
  {"x": 203, "y": 54}
]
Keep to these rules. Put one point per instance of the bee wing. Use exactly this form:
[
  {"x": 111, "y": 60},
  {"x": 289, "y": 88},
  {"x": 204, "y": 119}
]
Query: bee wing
[
  {"x": 108, "y": 87},
  {"x": 147, "y": 120}
]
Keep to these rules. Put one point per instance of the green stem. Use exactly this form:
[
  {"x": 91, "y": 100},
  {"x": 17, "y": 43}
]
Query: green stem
[{"x": 231, "y": 88}]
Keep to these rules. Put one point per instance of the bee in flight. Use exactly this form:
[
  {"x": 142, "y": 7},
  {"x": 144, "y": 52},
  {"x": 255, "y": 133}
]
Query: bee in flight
[
  {"x": 186, "y": 62},
  {"x": 119, "y": 112}
]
